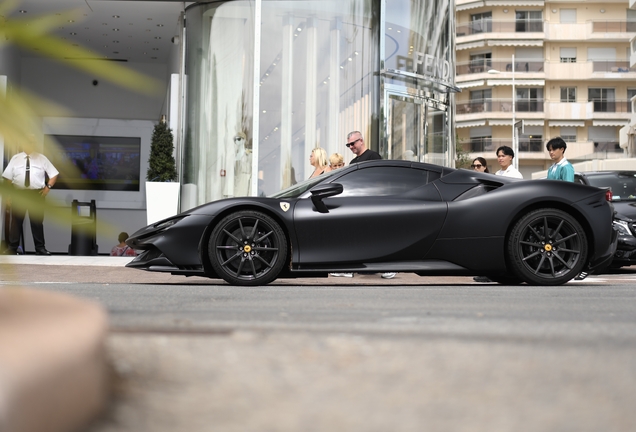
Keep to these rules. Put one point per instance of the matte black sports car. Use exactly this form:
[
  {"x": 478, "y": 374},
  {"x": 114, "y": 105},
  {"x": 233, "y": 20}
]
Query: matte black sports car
[
  {"x": 623, "y": 187},
  {"x": 390, "y": 216}
]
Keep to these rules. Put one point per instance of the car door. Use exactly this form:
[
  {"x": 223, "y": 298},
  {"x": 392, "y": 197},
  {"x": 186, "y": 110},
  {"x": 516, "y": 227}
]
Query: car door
[{"x": 385, "y": 213}]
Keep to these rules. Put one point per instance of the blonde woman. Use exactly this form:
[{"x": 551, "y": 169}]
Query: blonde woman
[
  {"x": 336, "y": 161},
  {"x": 318, "y": 159}
]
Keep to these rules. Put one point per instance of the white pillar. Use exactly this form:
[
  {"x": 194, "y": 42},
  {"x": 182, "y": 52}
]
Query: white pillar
[
  {"x": 311, "y": 81},
  {"x": 286, "y": 102},
  {"x": 334, "y": 89}
]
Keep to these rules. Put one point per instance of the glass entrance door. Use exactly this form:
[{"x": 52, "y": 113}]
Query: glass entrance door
[
  {"x": 405, "y": 126},
  {"x": 415, "y": 129}
]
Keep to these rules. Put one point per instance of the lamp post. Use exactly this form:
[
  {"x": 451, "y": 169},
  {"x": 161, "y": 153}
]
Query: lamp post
[{"x": 515, "y": 140}]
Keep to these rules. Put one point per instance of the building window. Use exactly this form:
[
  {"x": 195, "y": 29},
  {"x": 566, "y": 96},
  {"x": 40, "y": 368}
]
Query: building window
[
  {"x": 604, "y": 99},
  {"x": 480, "y": 23},
  {"x": 481, "y": 144},
  {"x": 567, "y": 16},
  {"x": 480, "y": 62},
  {"x": 568, "y": 94},
  {"x": 529, "y": 99},
  {"x": 568, "y": 55},
  {"x": 568, "y": 133},
  {"x": 630, "y": 94},
  {"x": 531, "y": 143},
  {"x": 480, "y": 101},
  {"x": 528, "y": 21}
]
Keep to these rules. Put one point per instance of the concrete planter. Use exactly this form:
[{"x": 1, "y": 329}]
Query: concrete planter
[{"x": 162, "y": 200}]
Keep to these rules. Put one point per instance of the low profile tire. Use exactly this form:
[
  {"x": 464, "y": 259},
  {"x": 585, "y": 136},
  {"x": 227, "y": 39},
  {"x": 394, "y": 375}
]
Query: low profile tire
[
  {"x": 247, "y": 248},
  {"x": 547, "y": 247}
]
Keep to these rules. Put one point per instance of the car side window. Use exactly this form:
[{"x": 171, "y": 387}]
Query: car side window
[{"x": 382, "y": 181}]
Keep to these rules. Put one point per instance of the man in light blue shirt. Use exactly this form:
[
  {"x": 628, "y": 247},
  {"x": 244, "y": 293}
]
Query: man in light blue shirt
[{"x": 562, "y": 169}]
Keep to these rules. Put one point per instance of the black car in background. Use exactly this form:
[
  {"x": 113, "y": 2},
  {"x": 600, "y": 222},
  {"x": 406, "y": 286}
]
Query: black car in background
[{"x": 623, "y": 187}]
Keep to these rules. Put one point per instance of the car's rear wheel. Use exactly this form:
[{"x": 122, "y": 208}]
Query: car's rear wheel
[
  {"x": 547, "y": 247},
  {"x": 247, "y": 248}
]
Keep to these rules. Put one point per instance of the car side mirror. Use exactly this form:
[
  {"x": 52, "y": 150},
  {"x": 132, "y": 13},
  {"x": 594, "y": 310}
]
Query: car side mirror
[{"x": 325, "y": 190}]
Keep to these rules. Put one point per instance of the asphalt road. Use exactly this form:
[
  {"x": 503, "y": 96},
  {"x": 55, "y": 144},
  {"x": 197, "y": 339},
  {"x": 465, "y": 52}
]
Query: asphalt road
[{"x": 366, "y": 354}]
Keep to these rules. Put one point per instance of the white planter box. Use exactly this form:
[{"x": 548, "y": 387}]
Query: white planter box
[{"x": 162, "y": 200}]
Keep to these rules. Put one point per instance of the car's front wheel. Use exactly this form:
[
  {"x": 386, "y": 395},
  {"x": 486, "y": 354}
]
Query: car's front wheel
[
  {"x": 547, "y": 247},
  {"x": 247, "y": 248}
]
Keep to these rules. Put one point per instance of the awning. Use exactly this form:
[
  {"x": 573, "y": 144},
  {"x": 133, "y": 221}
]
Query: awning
[
  {"x": 518, "y": 82},
  {"x": 470, "y": 45},
  {"x": 610, "y": 122},
  {"x": 468, "y": 84},
  {"x": 520, "y": 42},
  {"x": 533, "y": 122},
  {"x": 470, "y": 124},
  {"x": 500, "y": 122},
  {"x": 566, "y": 123},
  {"x": 515, "y": 3},
  {"x": 469, "y": 5}
]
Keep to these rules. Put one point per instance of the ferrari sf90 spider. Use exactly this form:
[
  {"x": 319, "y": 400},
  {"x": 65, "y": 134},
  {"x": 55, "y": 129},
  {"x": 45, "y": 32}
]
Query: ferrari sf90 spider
[{"x": 391, "y": 216}]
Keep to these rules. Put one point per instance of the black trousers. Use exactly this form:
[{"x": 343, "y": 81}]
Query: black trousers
[{"x": 36, "y": 218}]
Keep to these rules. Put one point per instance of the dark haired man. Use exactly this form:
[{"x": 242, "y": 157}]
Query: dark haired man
[
  {"x": 505, "y": 155},
  {"x": 561, "y": 169}
]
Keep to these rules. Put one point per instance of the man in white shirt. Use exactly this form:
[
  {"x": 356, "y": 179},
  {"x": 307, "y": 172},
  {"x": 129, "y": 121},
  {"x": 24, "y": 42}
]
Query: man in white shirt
[
  {"x": 505, "y": 155},
  {"x": 26, "y": 171}
]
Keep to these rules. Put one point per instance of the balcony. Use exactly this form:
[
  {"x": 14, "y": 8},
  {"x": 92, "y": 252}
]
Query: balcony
[
  {"x": 607, "y": 30},
  {"x": 500, "y": 33},
  {"x": 605, "y": 111},
  {"x": 481, "y": 66},
  {"x": 610, "y": 69},
  {"x": 481, "y": 146},
  {"x": 498, "y": 112},
  {"x": 611, "y": 30}
]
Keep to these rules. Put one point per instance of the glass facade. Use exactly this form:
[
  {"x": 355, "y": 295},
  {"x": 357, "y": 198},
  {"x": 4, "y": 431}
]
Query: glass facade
[{"x": 269, "y": 80}]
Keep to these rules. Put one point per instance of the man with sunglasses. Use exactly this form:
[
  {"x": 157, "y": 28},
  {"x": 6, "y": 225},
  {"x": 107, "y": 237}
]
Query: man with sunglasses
[{"x": 356, "y": 144}]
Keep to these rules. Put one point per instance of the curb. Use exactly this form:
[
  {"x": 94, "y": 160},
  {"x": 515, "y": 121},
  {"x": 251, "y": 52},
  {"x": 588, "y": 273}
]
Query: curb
[{"x": 53, "y": 367}]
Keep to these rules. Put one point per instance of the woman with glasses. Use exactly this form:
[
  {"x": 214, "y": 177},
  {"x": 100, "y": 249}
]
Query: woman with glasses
[
  {"x": 479, "y": 164},
  {"x": 318, "y": 159}
]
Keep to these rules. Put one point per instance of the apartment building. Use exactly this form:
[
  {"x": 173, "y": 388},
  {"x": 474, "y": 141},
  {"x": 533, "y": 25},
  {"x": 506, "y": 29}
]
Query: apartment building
[{"x": 573, "y": 75}]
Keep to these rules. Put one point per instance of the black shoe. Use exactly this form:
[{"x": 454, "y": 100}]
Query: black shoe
[
  {"x": 482, "y": 279},
  {"x": 42, "y": 251}
]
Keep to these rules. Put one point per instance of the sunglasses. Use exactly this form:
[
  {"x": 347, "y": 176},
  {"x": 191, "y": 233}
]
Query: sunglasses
[
  {"x": 353, "y": 142},
  {"x": 476, "y": 166}
]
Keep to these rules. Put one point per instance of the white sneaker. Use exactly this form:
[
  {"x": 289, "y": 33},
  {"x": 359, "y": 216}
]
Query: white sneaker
[
  {"x": 341, "y": 274},
  {"x": 388, "y": 275}
]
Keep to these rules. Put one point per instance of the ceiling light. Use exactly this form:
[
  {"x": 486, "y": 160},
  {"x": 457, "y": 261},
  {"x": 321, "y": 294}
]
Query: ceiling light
[
  {"x": 71, "y": 21},
  {"x": 73, "y": 34},
  {"x": 115, "y": 41},
  {"x": 602, "y": 10},
  {"x": 159, "y": 25},
  {"x": 157, "y": 37},
  {"x": 155, "y": 49},
  {"x": 115, "y": 29},
  {"x": 299, "y": 29},
  {"x": 153, "y": 58},
  {"x": 115, "y": 16},
  {"x": 23, "y": 11}
]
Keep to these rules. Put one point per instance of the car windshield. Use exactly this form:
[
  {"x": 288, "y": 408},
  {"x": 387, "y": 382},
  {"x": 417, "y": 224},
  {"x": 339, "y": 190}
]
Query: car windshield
[
  {"x": 622, "y": 184},
  {"x": 299, "y": 188}
]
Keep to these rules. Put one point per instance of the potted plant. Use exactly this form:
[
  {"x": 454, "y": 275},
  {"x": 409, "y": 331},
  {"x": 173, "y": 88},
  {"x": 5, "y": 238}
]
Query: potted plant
[{"x": 162, "y": 188}]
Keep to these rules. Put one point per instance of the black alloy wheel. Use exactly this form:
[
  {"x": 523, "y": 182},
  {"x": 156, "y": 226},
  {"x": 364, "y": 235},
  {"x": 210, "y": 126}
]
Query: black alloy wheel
[
  {"x": 547, "y": 247},
  {"x": 247, "y": 248}
]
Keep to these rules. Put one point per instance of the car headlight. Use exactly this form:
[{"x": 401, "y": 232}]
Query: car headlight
[
  {"x": 163, "y": 225},
  {"x": 622, "y": 227}
]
